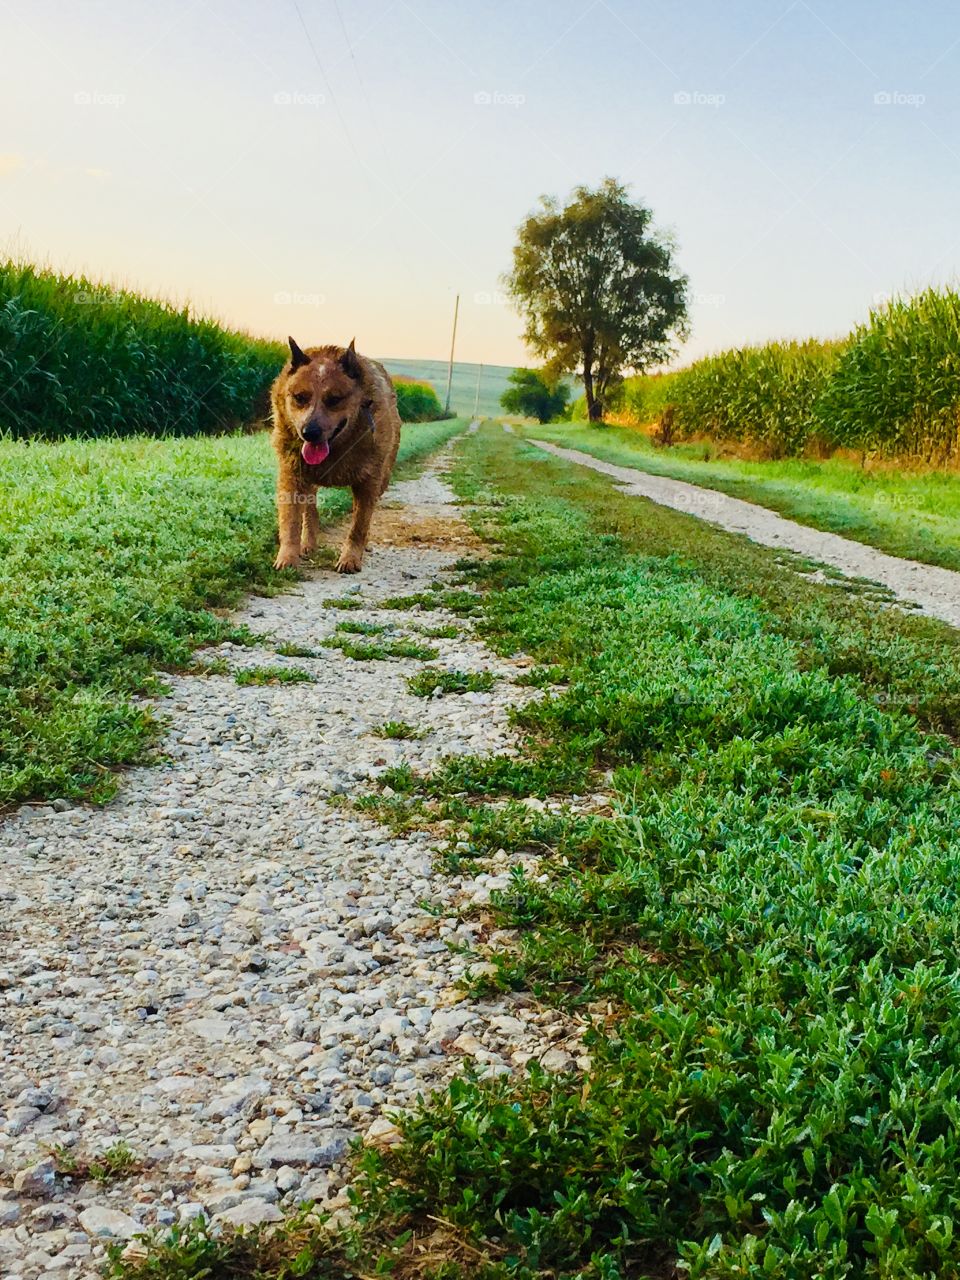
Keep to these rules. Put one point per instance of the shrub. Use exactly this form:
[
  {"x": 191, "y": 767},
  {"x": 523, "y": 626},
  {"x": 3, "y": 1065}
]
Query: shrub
[
  {"x": 532, "y": 395},
  {"x": 417, "y": 401}
]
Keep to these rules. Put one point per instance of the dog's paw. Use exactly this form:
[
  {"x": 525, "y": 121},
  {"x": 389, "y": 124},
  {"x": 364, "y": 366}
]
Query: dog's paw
[
  {"x": 286, "y": 558},
  {"x": 349, "y": 562}
]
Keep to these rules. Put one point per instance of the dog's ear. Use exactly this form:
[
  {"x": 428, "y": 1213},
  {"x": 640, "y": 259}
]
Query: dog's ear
[
  {"x": 297, "y": 357},
  {"x": 350, "y": 363}
]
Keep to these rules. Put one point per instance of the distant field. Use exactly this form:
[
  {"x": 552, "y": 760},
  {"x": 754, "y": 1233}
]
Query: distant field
[{"x": 493, "y": 382}]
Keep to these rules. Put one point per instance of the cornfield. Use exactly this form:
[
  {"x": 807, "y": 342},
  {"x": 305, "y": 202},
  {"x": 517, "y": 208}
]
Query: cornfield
[
  {"x": 896, "y": 390},
  {"x": 79, "y": 359},
  {"x": 891, "y": 388}
]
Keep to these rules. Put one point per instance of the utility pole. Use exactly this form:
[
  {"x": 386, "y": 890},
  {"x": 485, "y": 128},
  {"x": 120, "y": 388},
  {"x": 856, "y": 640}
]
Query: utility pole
[
  {"x": 476, "y": 401},
  {"x": 453, "y": 339}
]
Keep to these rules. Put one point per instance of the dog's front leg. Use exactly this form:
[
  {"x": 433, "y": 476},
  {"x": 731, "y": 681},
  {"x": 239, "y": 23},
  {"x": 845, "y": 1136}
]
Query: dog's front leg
[
  {"x": 351, "y": 553},
  {"x": 311, "y": 523},
  {"x": 290, "y": 495}
]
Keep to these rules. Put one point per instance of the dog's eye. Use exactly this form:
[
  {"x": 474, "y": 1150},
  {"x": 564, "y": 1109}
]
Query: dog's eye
[
  {"x": 331, "y": 401},
  {"x": 301, "y": 398}
]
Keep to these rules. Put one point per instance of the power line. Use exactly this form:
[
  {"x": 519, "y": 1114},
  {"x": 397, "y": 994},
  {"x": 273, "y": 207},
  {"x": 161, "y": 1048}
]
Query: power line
[
  {"x": 360, "y": 81},
  {"x": 326, "y": 79}
]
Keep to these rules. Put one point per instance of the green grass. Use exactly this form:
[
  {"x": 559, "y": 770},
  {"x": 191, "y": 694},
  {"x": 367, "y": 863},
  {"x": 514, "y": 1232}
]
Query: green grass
[
  {"x": 114, "y": 553},
  {"x": 273, "y": 675},
  {"x": 345, "y": 602},
  {"x": 763, "y": 936},
  {"x": 426, "y": 683},
  {"x": 287, "y": 649},
  {"x": 441, "y": 633},
  {"x": 112, "y": 1164},
  {"x": 398, "y": 729},
  {"x": 379, "y": 651},
  {"x": 911, "y": 513},
  {"x": 463, "y": 603}
]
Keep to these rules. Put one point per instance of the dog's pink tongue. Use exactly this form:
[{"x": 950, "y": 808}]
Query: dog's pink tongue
[{"x": 314, "y": 454}]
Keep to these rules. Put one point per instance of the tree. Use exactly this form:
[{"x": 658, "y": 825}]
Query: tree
[
  {"x": 534, "y": 396},
  {"x": 597, "y": 288}
]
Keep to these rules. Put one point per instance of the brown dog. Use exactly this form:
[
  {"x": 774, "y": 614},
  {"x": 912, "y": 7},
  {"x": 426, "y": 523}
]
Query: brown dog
[{"x": 335, "y": 422}]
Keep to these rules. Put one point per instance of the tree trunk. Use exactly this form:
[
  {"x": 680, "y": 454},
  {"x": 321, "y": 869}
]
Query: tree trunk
[
  {"x": 600, "y": 384},
  {"x": 594, "y": 408}
]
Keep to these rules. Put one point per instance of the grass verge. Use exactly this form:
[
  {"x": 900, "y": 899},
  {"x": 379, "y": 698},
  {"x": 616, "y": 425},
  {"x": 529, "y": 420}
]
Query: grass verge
[{"x": 907, "y": 512}]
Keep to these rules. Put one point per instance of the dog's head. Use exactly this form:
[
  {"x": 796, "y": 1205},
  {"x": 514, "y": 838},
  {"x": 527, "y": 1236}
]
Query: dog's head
[{"x": 321, "y": 393}]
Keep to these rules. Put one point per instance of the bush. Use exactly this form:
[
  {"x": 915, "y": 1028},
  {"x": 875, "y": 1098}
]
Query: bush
[
  {"x": 78, "y": 358},
  {"x": 418, "y": 402},
  {"x": 532, "y": 395}
]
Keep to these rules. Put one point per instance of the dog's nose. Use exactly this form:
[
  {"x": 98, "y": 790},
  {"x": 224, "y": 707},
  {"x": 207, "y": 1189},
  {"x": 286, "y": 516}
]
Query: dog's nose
[{"x": 311, "y": 433}]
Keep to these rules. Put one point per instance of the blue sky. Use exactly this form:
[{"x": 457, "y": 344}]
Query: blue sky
[{"x": 350, "y": 172}]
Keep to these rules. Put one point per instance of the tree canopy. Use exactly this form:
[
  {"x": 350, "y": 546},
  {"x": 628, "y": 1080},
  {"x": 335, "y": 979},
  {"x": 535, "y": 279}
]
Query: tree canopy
[
  {"x": 596, "y": 285},
  {"x": 532, "y": 395}
]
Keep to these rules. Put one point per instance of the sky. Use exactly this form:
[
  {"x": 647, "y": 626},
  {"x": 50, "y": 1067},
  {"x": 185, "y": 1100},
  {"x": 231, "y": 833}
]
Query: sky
[{"x": 340, "y": 168}]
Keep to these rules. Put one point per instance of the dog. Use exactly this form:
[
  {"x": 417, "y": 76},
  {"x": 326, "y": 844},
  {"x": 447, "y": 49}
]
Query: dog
[{"x": 335, "y": 423}]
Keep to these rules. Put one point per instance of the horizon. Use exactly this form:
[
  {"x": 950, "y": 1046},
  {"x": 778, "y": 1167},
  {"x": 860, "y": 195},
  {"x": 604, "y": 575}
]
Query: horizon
[{"x": 331, "y": 172}]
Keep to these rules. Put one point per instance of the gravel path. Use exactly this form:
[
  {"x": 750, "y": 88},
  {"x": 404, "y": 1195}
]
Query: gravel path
[
  {"x": 932, "y": 590},
  {"x": 230, "y": 969}
]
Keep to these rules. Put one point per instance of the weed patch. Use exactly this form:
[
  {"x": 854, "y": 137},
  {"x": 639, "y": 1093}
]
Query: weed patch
[
  {"x": 380, "y": 651},
  {"x": 273, "y": 675},
  {"x": 111, "y": 1165},
  {"x": 426, "y": 683},
  {"x": 290, "y": 650},
  {"x": 399, "y": 729}
]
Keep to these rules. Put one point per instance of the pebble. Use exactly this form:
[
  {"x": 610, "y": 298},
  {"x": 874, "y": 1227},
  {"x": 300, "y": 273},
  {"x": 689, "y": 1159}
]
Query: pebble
[
  {"x": 36, "y": 1180},
  {"x": 98, "y": 1220},
  {"x": 227, "y": 970},
  {"x": 250, "y": 1213}
]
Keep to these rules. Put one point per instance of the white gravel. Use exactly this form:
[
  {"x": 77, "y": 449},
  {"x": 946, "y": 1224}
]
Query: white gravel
[
  {"x": 929, "y": 589},
  {"x": 228, "y": 969}
]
